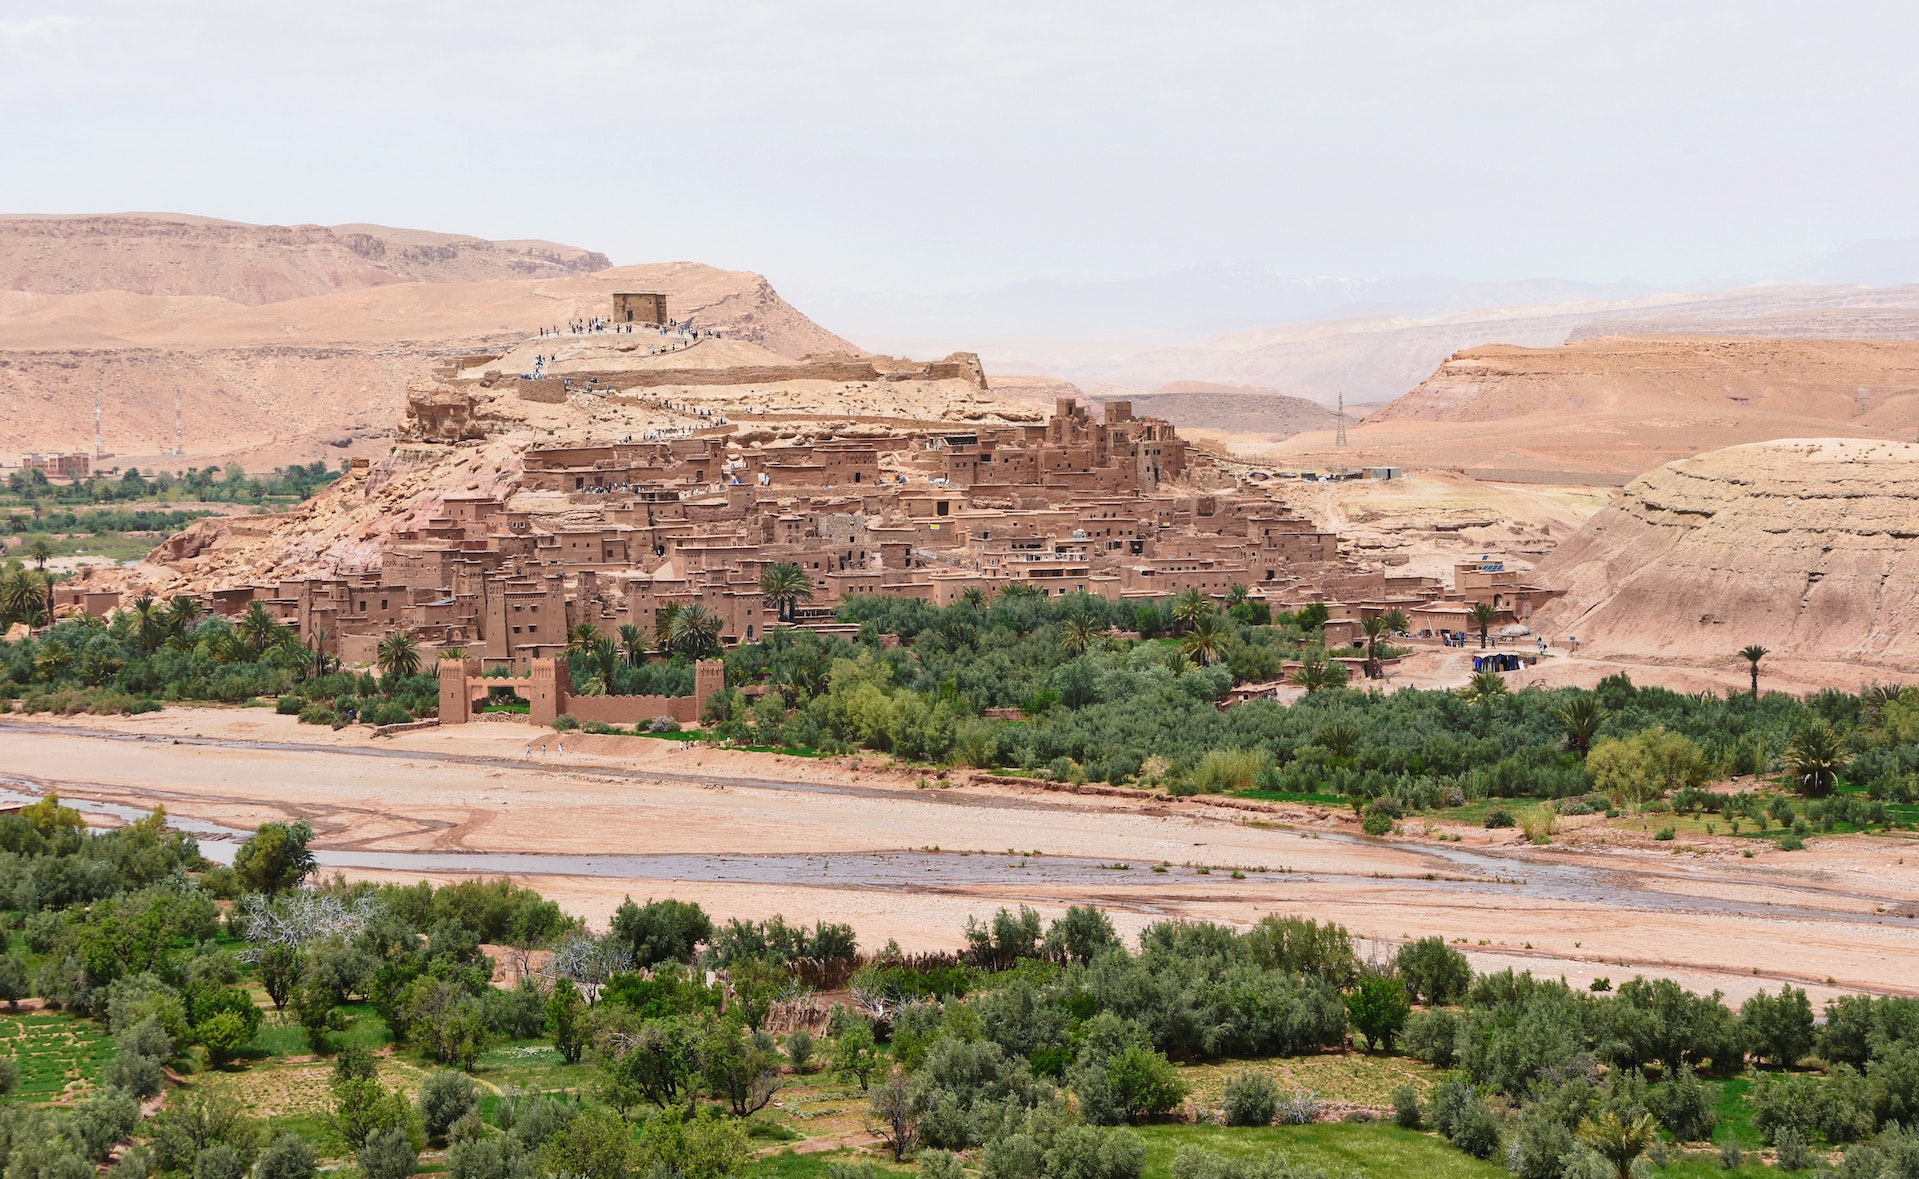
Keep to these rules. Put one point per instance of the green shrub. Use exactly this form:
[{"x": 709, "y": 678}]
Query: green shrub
[
  {"x": 1795, "y": 1154},
  {"x": 1377, "y": 822},
  {"x": 389, "y": 714},
  {"x": 445, "y": 1098},
  {"x": 566, "y": 722},
  {"x": 317, "y": 713},
  {"x": 287, "y": 1157},
  {"x": 1251, "y": 1098},
  {"x": 1221, "y": 770},
  {"x": 1499, "y": 816},
  {"x": 290, "y": 705},
  {"x": 1406, "y": 1107},
  {"x": 1433, "y": 971},
  {"x": 388, "y": 1155},
  {"x": 1664, "y": 834}
]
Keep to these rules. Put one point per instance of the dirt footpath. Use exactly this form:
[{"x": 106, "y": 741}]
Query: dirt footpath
[{"x": 840, "y": 840}]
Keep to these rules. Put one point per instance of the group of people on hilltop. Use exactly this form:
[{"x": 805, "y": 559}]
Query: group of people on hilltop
[{"x": 599, "y": 323}]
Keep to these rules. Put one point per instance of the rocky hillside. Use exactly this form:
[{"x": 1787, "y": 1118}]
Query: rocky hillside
[
  {"x": 1379, "y": 357},
  {"x": 171, "y": 254},
  {"x": 1804, "y": 546},
  {"x": 316, "y": 375},
  {"x": 1618, "y": 406}
]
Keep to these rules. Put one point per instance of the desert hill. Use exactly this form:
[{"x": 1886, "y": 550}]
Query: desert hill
[
  {"x": 174, "y": 254},
  {"x": 1189, "y": 405},
  {"x": 314, "y": 375},
  {"x": 1605, "y": 409},
  {"x": 1804, "y": 546},
  {"x": 1378, "y": 357},
  {"x": 1200, "y": 405}
]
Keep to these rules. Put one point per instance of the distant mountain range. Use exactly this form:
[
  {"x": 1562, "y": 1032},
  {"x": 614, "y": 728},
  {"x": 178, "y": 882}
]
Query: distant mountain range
[{"x": 1371, "y": 339}]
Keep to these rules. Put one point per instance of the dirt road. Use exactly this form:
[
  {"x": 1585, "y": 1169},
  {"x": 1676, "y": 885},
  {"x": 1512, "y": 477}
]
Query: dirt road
[{"x": 753, "y": 834}]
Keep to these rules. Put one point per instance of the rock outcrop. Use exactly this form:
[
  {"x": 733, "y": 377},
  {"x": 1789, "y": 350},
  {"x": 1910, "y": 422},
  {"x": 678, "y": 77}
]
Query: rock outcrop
[
  {"x": 322, "y": 369},
  {"x": 1604, "y": 409},
  {"x": 1808, "y": 547},
  {"x": 171, "y": 254}
]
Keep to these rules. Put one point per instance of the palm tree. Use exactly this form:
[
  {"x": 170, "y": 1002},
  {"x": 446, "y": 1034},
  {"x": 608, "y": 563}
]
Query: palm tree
[
  {"x": 150, "y": 624},
  {"x": 1814, "y": 759},
  {"x": 398, "y": 657},
  {"x": 663, "y": 625},
  {"x": 974, "y": 596},
  {"x": 54, "y": 660},
  {"x": 1188, "y": 604},
  {"x": 696, "y": 631},
  {"x": 1482, "y": 616},
  {"x": 322, "y": 663},
  {"x": 40, "y": 550},
  {"x": 1375, "y": 629},
  {"x": 1317, "y": 672},
  {"x": 255, "y": 631},
  {"x": 1582, "y": 715},
  {"x": 1619, "y": 1143},
  {"x": 1205, "y": 643},
  {"x": 1077, "y": 636},
  {"x": 1237, "y": 595},
  {"x": 20, "y": 597},
  {"x": 1341, "y": 740},
  {"x": 783, "y": 585},
  {"x": 581, "y": 636},
  {"x": 1753, "y": 655},
  {"x": 633, "y": 643},
  {"x": 1484, "y": 686},
  {"x": 183, "y": 612},
  {"x": 592, "y": 668}
]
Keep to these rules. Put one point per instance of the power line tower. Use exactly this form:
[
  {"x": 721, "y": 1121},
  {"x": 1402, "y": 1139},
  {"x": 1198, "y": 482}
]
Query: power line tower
[
  {"x": 1339, "y": 439},
  {"x": 179, "y": 422},
  {"x": 98, "y": 446}
]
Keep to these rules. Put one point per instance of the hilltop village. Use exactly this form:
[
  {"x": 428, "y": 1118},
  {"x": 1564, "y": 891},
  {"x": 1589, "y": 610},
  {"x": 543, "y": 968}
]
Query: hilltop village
[{"x": 656, "y": 465}]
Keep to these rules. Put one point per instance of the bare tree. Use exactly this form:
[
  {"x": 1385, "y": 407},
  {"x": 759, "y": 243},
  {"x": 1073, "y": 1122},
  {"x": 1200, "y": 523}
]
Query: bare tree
[
  {"x": 893, "y": 1114},
  {"x": 299, "y": 918},
  {"x": 588, "y": 961}
]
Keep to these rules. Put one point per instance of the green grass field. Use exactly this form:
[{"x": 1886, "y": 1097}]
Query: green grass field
[
  {"x": 58, "y": 1055},
  {"x": 1337, "y": 1148}
]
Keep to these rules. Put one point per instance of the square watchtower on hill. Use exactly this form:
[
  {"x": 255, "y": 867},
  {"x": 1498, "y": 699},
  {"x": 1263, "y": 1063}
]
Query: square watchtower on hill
[{"x": 639, "y": 307}]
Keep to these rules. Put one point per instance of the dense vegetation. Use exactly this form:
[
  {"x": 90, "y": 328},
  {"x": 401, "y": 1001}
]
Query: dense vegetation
[
  {"x": 161, "y": 651},
  {"x": 1030, "y": 1054},
  {"x": 1094, "y": 703},
  {"x": 205, "y": 485},
  {"x": 1101, "y": 707}
]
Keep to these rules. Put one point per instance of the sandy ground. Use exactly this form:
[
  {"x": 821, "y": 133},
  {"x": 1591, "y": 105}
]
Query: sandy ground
[
  {"x": 755, "y": 834},
  {"x": 1432, "y": 666}
]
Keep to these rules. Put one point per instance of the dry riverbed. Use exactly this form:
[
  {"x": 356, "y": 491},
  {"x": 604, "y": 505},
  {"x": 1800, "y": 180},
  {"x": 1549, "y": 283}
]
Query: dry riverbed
[{"x": 840, "y": 840}]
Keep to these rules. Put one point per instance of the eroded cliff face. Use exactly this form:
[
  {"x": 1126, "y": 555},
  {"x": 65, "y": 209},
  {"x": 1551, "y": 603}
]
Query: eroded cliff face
[
  {"x": 169, "y": 254},
  {"x": 1623, "y": 405},
  {"x": 1808, "y": 547}
]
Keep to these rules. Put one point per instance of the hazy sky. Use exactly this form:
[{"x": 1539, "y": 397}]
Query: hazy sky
[{"x": 930, "y": 147}]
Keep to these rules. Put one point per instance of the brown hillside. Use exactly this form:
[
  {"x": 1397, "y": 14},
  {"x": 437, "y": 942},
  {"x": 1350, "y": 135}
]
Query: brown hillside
[
  {"x": 317, "y": 376},
  {"x": 1804, "y": 546},
  {"x": 1621, "y": 405},
  {"x": 171, "y": 254}
]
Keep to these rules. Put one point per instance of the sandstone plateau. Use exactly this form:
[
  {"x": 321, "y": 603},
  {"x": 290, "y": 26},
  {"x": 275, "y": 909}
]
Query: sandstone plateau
[
  {"x": 294, "y": 344},
  {"x": 1804, "y": 546},
  {"x": 174, "y": 254},
  {"x": 1603, "y": 410}
]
